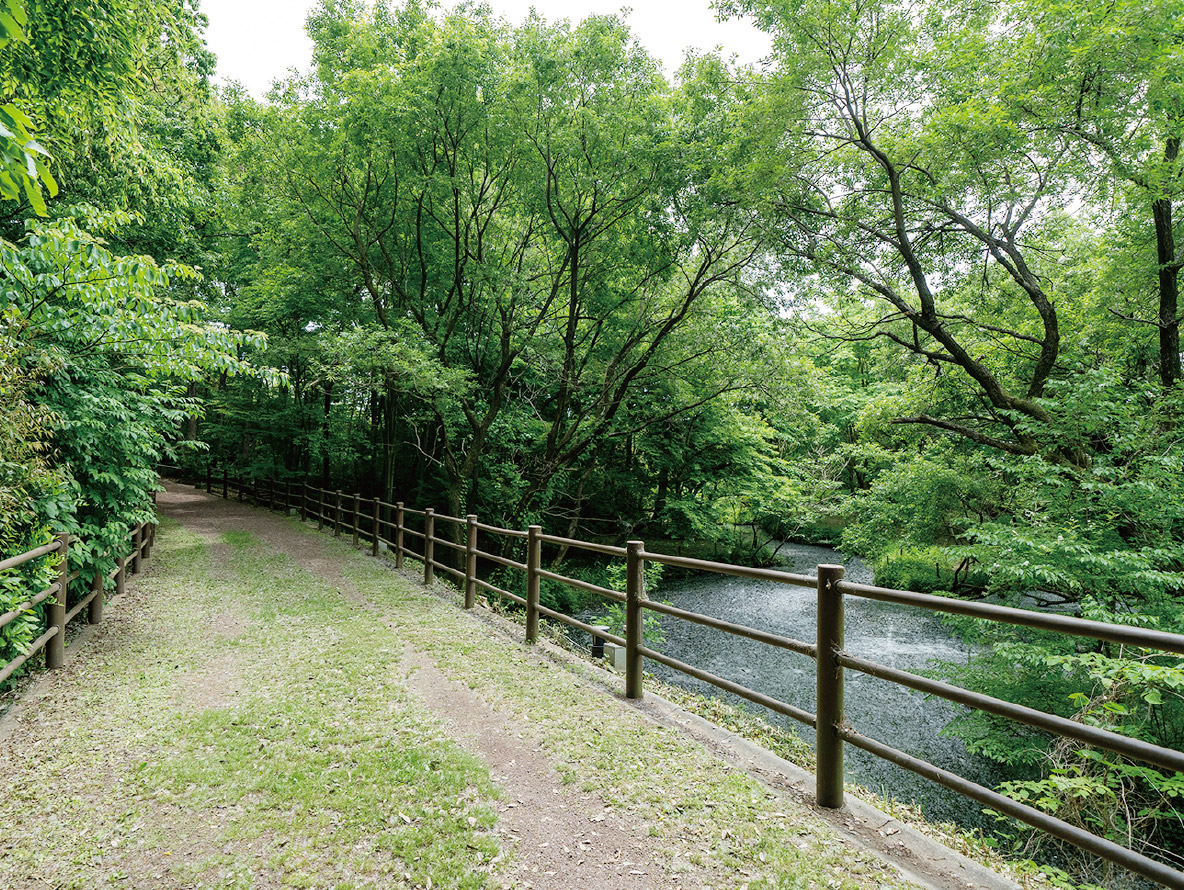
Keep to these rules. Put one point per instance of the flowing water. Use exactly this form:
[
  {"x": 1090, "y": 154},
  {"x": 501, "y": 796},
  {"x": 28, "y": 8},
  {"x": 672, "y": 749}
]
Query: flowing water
[{"x": 896, "y": 636}]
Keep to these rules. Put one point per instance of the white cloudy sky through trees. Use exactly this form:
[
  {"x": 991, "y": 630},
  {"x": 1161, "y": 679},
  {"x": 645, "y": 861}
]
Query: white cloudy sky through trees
[{"x": 258, "y": 41}]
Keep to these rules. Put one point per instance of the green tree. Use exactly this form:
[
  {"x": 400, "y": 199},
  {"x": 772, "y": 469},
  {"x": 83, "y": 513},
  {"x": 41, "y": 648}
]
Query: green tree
[
  {"x": 107, "y": 349},
  {"x": 94, "y": 387},
  {"x": 532, "y": 202},
  {"x": 1106, "y": 75},
  {"x": 894, "y": 177}
]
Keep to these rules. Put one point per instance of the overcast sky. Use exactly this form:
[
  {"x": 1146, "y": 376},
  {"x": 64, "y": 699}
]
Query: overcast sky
[{"x": 258, "y": 41}]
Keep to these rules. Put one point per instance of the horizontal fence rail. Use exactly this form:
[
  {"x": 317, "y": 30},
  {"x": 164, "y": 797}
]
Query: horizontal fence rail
[
  {"x": 385, "y": 525},
  {"x": 1066, "y": 624},
  {"x": 140, "y": 539}
]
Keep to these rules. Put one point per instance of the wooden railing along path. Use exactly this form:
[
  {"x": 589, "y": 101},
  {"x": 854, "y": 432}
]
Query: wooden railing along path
[
  {"x": 53, "y": 640},
  {"x": 388, "y": 525}
]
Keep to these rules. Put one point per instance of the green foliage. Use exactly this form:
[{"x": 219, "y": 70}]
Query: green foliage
[
  {"x": 923, "y": 502},
  {"x": 16, "y": 587},
  {"x": 23, "y": 162},
  {"x": 506, "y": 325},
  {"x": 106, "y": 350},
  {"x": 1128, "y": 691},
  {"x": 926, "y": 570},
  {"x": 83, "y": 72},
  {"x": 30, "y": 490},
  {"x": 99, "y": 346},
  {"x": 1101, "y": 792},
  {"x": 13, "y": 18},
  {"x": 614, "y": 578},
  {"x": 26, "y": 478}
]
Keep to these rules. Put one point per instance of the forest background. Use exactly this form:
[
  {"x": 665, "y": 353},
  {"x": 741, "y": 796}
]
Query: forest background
[{"x": 910, "y": 288}]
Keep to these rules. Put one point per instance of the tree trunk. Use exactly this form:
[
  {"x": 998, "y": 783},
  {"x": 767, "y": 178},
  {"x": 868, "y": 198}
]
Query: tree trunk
[
  {"x": 1169, "y": 281},
  {"x": 191, "y": 426},
  {"x": 663, "y": 490},
  {"x": 325, "y": 445}
]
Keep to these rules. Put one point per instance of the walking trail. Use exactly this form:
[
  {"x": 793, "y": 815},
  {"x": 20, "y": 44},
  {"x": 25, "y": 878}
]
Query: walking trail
[{"x": 268, "y": 707}]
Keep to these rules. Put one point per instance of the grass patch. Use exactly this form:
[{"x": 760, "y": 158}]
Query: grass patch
[
  {"x": 785, "y": 743},
  {"x": 698, "y": 810},
  {"x": 241, "y": 721}
]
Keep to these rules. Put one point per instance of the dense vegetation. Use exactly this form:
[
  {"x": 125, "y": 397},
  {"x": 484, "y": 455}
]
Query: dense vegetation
[
  {"x": 106, "y": 105},
  {"x": 911, "y": 288}
]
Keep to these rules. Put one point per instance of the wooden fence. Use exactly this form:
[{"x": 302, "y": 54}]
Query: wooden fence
[
  {"x": 396, "y": 526},
  {"x": 53, "y": 641}
]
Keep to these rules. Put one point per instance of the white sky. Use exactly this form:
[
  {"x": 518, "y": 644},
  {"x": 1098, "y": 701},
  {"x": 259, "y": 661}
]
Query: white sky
[{"x": 258, "y": 41}]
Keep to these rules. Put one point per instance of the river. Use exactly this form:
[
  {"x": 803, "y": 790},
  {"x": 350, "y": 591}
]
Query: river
[{"x": 897, "y": 636}]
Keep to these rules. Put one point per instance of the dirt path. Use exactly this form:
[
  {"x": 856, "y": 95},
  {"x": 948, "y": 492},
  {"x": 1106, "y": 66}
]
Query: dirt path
[
  {"x": 561, "y": 839},
  {"x": 268, "y": 707}
]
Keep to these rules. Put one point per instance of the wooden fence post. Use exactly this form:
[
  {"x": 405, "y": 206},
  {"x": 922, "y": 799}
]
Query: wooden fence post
[
  {"x": 121, "y": 576},
  {"x": 534, "y": 559},
  {"x": 357, "y": 517},
  {"x": 399, "y": 535},
  {"x": 471, "y": 562},
  {"x": 829, "y": 717},
  {"x": 634, "y": 618},
  {"x": 337, "y": 514},
  {"x": 225, "y": 483},
  {"x": 320, "y": 502},
  {"x": 429, "y": 546},
  {"x": 137, "y": 538},
  {"x": 94, "y": 609},
  {"x": 240, "y": 486},
  {"x": 374, "y": 527},
  {"x": 55, "y": 649},
  {"x": 303, "y": 501}
]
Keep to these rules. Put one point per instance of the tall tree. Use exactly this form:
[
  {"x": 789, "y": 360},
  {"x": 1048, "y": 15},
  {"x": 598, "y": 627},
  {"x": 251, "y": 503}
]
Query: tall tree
[
  {"x": 1107, "y": 75},
  {"x": 632, "y": 237},
  {"x": 522, "y": 204},
  {"x": 900, "y": 174},
  {"x": 99, "y": 343}
]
